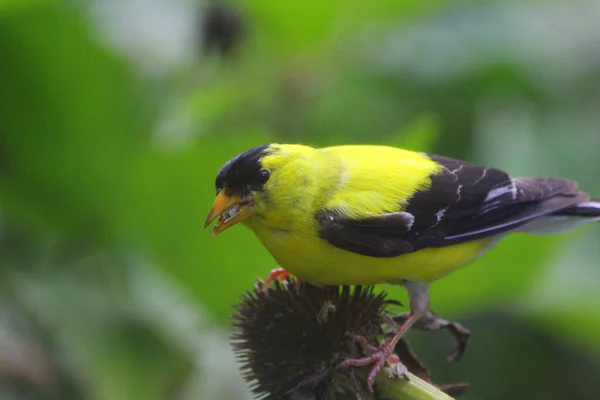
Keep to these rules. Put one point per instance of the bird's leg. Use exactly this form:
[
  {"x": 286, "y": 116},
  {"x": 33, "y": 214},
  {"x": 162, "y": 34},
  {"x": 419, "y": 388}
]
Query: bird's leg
[
  {"x": 276, "y": 274},
  {"x": 419, "y": 304},
  {"x": 431, "y": 322}
]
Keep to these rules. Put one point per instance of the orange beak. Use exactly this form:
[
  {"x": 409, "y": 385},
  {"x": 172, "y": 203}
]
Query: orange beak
[{"x": 231, "y": 209}]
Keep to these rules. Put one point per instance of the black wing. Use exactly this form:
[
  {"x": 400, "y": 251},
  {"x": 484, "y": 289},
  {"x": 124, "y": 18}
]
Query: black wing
[{"x": 464, "y": 202}]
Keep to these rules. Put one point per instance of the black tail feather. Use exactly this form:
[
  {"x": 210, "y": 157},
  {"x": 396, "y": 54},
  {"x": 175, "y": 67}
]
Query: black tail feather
[{"x": 590, "y": 209}]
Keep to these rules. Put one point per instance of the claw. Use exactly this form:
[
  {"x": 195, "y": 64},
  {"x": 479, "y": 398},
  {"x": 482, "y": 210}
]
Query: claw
[
  {"x": 431, "y": 322},
  {"x": 378, "y": 360},
  {"x": 364, "y": 344},
  {"x": 276, "y": 274},
  {"x": 380, "y": 355}
]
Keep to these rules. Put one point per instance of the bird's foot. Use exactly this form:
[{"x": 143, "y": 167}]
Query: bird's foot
[
  {"x": 431, "y": 322},
  {"x": 276, "y": 274},
  {"x": 379, "y": 356}
]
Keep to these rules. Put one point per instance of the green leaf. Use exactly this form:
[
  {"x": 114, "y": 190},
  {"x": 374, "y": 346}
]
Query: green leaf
[
  {"x": 420, "y": 135},
  {"x": 68, "y": 120},
  {"x": 297, "y": 26},
  {"x": 7, "y": 6}
]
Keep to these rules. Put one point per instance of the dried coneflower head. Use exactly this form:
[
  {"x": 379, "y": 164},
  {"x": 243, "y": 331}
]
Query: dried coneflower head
[{"x": 291, "y": 339}]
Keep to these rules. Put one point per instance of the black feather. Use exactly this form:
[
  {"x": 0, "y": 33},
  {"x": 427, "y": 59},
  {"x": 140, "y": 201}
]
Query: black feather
[
  {"x": 375, "y": 237},
  {"x": 587, "y": 209},
  {"x": 464, "y": 202}
]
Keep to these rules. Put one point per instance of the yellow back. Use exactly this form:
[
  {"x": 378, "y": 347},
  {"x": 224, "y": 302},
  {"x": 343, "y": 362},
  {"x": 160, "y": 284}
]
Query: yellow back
[{"x": 378, "y": 179}]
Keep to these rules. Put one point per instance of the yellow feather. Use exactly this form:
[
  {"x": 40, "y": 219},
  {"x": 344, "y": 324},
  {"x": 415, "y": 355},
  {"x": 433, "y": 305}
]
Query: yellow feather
[{"x": 378, "y": 179}]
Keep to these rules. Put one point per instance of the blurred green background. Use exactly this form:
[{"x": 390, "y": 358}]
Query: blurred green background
[{"x": 115, "y": 116}]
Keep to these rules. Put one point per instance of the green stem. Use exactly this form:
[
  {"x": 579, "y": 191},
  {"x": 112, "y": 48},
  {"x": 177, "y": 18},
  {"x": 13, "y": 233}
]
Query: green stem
[{"x": 413, "y": 389}]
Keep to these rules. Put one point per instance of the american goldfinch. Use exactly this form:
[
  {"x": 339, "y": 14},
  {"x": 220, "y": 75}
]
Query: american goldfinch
[{"x": 366, "y": 214}]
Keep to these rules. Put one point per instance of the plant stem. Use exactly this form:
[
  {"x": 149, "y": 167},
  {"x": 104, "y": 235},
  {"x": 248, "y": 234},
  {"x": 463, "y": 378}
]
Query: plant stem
[{"x": 413, "y": 389}]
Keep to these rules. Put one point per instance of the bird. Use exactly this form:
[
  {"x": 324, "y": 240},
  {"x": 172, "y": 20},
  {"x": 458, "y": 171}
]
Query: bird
[{"x": 362, "y": 214}]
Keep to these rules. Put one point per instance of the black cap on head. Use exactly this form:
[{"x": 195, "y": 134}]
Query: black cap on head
[{"x": 243, "y": 173}]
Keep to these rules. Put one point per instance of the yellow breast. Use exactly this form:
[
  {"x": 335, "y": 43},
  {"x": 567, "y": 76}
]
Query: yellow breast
[{"x": 316, "y": 261}]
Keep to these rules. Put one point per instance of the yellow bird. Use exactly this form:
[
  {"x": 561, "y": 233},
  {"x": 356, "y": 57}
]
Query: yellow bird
[{"x": 365, "y": 214}]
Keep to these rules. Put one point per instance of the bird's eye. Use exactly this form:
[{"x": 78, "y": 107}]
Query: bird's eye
[{"x": 265, "y": 174}]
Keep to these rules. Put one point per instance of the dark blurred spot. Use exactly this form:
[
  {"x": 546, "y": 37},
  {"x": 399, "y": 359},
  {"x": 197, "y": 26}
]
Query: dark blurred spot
[{"x": 222, "y": 29}]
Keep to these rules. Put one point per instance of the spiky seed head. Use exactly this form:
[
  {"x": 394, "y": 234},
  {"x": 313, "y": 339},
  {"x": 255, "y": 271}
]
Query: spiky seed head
[{"x": 291, "y": 338}]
